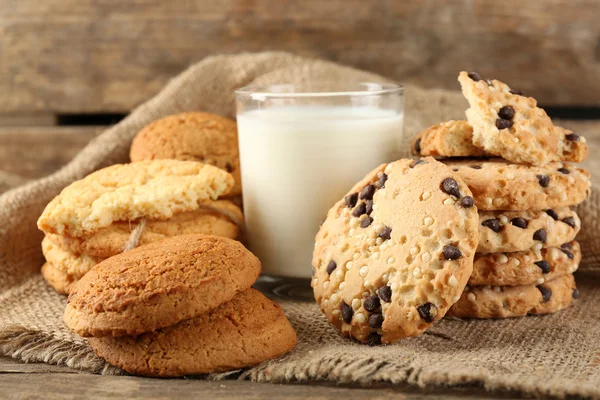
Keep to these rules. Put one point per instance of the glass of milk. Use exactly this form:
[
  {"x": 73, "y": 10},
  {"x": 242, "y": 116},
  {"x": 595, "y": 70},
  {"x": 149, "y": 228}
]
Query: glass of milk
[{"x": 302, "y": 147}]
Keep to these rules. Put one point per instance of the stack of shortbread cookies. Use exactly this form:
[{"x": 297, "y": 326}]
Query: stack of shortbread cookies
[{"x": 527, "y": 252}]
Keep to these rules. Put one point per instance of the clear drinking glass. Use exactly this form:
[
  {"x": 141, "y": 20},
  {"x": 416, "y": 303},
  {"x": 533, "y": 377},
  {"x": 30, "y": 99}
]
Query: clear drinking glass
[{"x": 302, "y": 147}]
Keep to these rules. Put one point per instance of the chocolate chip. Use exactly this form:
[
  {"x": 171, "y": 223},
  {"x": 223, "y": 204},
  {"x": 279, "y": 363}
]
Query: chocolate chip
[
  {"x": 553, "y": 214},
  {"x": 455, "y": 169},
  {"x": 564, "y": 171},
  {"x": 546, "y": 293},
  {"x": 475, "y": 76},
  {"x": 385, "y": 293},
  {"x": 367, "y": 192},
  {"x": 418, "y": 146},
  {"x": 504, "y": 123},
  {"x": 467, "y": 202},
  {"x": 427, "y": 312},
  {"x": 493, "y": 224},
  {"x": 331, "y": 267},
  {"x": 375, "y": 321},
  {"x": 570, "y": 221},
  {"x": 568, "y": 254},
  {"x": 369, "y": 206},
  {"x": 517, "y": 92},
  {"x": 351, "y": 200},
  {"x": 544, "y": 180},
  {"x": 381, "y": 182},
  {"x": 228, "y": 167},
  {"x": 567, "y": 246},
  {"x": 417, "y": 162},
  {"x": 366, "y": 222},
  {"x": 451, "y": 252},
  {"x": 575, "y": 293},
  {"x": 371, "y": 303},
  {"x": 374, "y": 339},
  {"x": 506, "y": 112},
  {"x": 475, "y": 166},
  {"x": 385, "y": 233},
  {"x": 540, "y": 235},
  {"x": 450, "y": 186},
  {"x": 544, "y": 266},
  {"x": 347, "y": 313},
  {"x": 359, "y": 210},
  {"x": 572, "y": 137},
  {"x": 519, "y": 222}
]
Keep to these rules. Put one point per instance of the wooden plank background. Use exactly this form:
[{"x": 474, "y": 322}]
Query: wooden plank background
[{"x": 86, "y": 56}]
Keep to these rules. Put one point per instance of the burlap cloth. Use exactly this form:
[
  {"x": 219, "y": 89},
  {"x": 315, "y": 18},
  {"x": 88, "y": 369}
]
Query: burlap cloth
[{"x": 555, "y": 355}]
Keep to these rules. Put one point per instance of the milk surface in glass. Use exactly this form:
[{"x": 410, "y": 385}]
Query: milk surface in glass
[{"x": 296, "y": 162}]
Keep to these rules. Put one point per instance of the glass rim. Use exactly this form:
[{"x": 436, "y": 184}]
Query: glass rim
[{"x": 264, "y": 91}]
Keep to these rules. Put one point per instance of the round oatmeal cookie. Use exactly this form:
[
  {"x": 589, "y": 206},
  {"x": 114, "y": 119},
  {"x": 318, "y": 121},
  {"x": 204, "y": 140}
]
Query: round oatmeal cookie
[
  {"x": 243, "y": 332},
  {"x": 63, "y": 268},
  {"x": 448, "y": 139},
  {"x": 124, "y": 192},
  {"x": 525, "y": 267},
  {"x": 396, "y": 252},
  {"x": 218, "y": 218},
  {"x": 510, "y": 231},
  {"x": 499, "y": 185},
  {"x": 509, "y": 124},
  {"x": 191, "y": 136},
  {"x": 515, "y": 301},
  {"x": 159, "y": 284}
]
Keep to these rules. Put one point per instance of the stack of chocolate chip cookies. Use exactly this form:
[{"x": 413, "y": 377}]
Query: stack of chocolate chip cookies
[
  {"x": 125, "y": 205},
  {"x": 527, "y": 252}
]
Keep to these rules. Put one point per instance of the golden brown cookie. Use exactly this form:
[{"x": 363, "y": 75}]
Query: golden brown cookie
[
  {"x": 499, "y": 185},
  {"x": 159, "y": 284},
  {"x": 124, "y": 192},
  {"x": 525, "y": 267},
  {"x": 245, "y": 331},
  {"x": 510, "y": 231},
  {"x": 217, "y": 218},
  {"x": 508, "y": 124},
  {"x": 515, "y": 301},
  {"x": 448, "y": 139},
  {"x": 192, "y": 136},
  {"x": 396, "y": 252}
]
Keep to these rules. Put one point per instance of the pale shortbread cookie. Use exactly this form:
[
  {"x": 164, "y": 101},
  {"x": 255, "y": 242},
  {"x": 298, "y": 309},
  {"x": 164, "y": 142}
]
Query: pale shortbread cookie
[
  {"x": 159, "y": 284},
  {"x": 509, "y": 231},
  {"x": 396, "y": 252},
  {"x": 511, "y": 125},
  {"x": 192, "y": 136},
  {"x": 447, "y": 139},
  {"x": 218, "y": 218},
  {"x": 515, "y": 301},
  {"x": 243, "y": 332},
  {"x": 500, "y": 185},
  {"x": 146, "y": 189},
  {"x": 525, "y": 267},
  {"x": 63, "y": 268}
]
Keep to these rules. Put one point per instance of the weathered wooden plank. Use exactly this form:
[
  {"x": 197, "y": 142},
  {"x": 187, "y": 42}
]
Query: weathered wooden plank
[{"x": 86, "y": 56}]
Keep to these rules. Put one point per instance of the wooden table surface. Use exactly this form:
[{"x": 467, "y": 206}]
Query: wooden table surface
[{"x": 31, "y": 152}]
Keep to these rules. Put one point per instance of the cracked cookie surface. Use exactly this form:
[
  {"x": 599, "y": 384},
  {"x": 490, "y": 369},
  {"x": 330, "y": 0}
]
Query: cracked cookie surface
[
  {"x": 123, "y": 192},
  {"x": 159, "y": 284},
  {"x": 515, "y": 301},
  {"x": 396, "y": 252},
  {"x": 245, "y": 331}
]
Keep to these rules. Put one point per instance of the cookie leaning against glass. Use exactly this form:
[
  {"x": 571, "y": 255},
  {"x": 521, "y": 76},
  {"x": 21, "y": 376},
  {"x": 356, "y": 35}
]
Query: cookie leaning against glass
[{"x": 396, "y": 252}]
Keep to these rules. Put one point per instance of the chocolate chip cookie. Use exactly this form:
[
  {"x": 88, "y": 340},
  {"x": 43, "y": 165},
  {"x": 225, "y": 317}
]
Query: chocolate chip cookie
[
  {"x": 525, "y": 267},
  {"x": 509, "y": 231},
  {"x": 192, "y": 136},
  {"x": 159, "y": 284},
  {"x": 500, "y": 185},
  {"x": 245, "y": 331},
  {"x": 396, "y": 252},
  {"x": 515, "y": 301},
  {"x": 509, "y": 124}
]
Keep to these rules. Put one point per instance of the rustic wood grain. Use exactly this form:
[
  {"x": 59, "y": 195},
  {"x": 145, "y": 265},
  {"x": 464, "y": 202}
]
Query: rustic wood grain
[{"x": 85, "y": 56}]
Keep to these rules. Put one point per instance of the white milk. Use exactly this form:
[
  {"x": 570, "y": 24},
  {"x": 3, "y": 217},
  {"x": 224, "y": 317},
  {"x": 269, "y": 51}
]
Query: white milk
[{"x": 296, "y": 163}]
